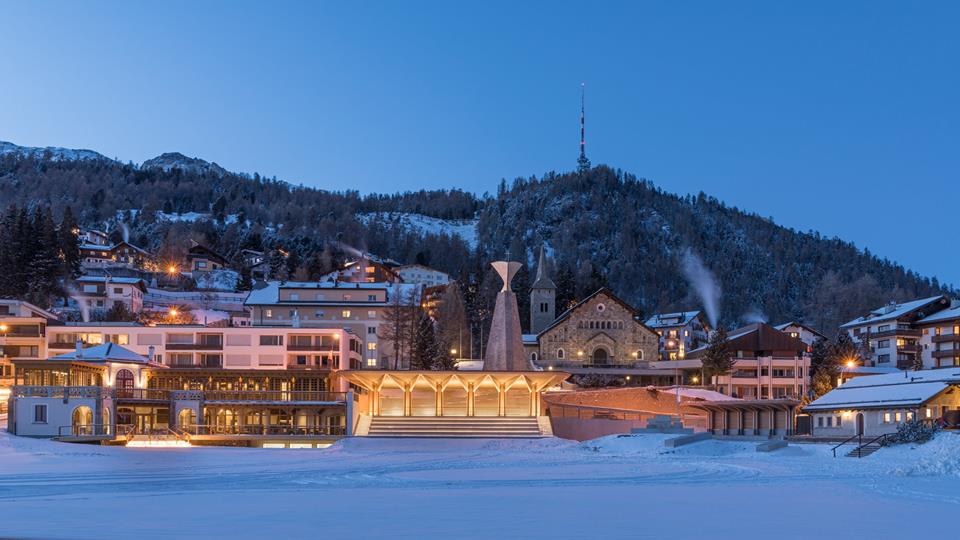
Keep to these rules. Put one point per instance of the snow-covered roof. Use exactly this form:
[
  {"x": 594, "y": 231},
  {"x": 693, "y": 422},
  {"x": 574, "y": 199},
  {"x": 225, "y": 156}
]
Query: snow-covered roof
[
  {"x": 945, "y": 315},
  {"x": 106, "y": 279},
  {"x": 784, "y": 326},
  {"x": 271, "y": 293},
  {"x": 905, "y": 389},
  {"x": 697, "y": 393},
  {"x": 891, "y": 312},
  {"x": 529, "y": 339},
  {"x": 663, "y": 320},
  {"x": 108, "y": 352}
]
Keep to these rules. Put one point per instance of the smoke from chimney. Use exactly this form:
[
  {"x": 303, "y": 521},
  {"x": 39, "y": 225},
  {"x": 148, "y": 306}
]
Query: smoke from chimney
[{"x": 703, "y": 283}]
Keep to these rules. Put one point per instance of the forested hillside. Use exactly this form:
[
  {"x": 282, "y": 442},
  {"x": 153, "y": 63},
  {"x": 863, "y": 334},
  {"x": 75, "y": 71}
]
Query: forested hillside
[{"x": 604, "y": 227}]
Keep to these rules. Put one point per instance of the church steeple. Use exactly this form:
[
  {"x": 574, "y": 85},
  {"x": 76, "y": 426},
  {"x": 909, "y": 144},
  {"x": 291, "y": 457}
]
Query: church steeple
[
  {"x": 583, "y": 164},
  {"x": 543, "y": 297}
]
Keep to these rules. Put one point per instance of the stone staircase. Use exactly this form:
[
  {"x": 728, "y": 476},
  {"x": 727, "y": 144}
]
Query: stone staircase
[{"x": 494, "y": 427}]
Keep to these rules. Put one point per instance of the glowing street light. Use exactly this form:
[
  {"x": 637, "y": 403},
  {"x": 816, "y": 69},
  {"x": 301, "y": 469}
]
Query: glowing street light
[
  {"x": 3, "y": 327},
  {"x": 172, "y": 270},
  {"x": 173, "y": 312},
  {"x": 453, "y": 351}
]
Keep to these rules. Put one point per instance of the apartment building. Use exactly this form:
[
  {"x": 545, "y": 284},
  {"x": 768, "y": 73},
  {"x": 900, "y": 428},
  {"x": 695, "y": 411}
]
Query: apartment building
[
  {"x": 103, "y": 292},
  {"x": 680, "y": 332},
  {"x": 940, "y": 338},
  {"x": 890, "y": 334},
  {"x": 23, "y": 334},
  {"x": 358, "y": 307},
  {"x": 767, "y": 364},
  {"x": 423, "y": 275}
]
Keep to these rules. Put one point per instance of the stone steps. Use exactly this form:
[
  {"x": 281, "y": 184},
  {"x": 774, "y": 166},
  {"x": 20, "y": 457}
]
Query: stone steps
[{"x": 455, "y": 427}]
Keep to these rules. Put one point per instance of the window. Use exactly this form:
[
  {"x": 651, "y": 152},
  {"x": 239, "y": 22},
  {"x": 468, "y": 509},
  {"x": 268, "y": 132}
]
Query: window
[
  {"x": 883, "y": 328},
  {"x": 271, "y": 340},
  {"x": 371, "y": 346},
  {"x": 201, "y": 264},
  {"x": 559, "y": 353},
  {"x": 371, "y": 314},
  {"x": 301, "y": 359},
  {"x": 838, "y": 421},
  {"x": 886, "y": 418},
  {"x": 294, "y": 297},
  {"x": 345, "y": 314},
  {"x": 898, "y": 417},
  {"x": 829, "y": 421},
  {"x": 372, "y": 362},
  {"x": 347, "y": 297},
  {"x": 268, "y": 313},
  {"x": 883, "y": 358},
  {"x": 371, "y": 330},
  {"x": 371, "y": 298},
  {"x": 795, "y": 334},
  {"x": 39, "y": 414},
  {"x": 928, "y": 412},
  {"x": 318, "y": 314},
  {"x": 909, "y": 416},
  {"x": 819, "y": 421},
  {"x": 118, "y": 339},
  {"x": 533, "y": 357},
  {"x": 883, "y": 344},
  {"x": 601, "y": 307},
  {"x": 117, "y": 290}
]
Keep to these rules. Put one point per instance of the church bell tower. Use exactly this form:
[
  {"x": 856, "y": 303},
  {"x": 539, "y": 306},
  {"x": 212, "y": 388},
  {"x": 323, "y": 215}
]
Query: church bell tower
[{"x": 543, "y": 297}]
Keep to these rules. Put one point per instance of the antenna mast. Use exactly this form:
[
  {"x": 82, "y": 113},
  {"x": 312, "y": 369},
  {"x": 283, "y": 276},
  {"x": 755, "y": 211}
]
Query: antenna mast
[{"x": 583, "y": 164}]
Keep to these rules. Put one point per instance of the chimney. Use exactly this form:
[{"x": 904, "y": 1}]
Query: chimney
[
  {"x": 150, "y": 353},
  {"x": 890, "y": 307},
  {"x": 79, "y": 350}
]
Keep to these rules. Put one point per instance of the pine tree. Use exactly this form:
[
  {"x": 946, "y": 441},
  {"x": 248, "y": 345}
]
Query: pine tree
[
  {"x": 717, "y": 360},
  {"x": 452, "y": 330},
  {"x": 245, "y": 282},
  {"x": 425, "y": 349},
  {"x": 69, "y": 245}
]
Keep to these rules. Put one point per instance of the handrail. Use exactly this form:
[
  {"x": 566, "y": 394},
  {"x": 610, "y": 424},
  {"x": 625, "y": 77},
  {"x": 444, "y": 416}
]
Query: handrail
[
  {"x": 95, "y": 430},
  {"x": 858, "y": 436},
  {"x": 257, "y": 429}
]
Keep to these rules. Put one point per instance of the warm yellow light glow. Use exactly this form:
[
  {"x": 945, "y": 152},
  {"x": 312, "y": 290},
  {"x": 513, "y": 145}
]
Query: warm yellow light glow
[
  {"x": 3, "y": 327},
  {"x": 173, "y": 312},
  {"x": 579, "y": 353},
  {"x": 550, "y": 368},
  {"x": 453, "y": 351},
  {"x": 171, "y": 269},
  {"x": 851, "y": 363},
  {"x": 695, "y": 379},
  {"x": 628, "y": 377},
  {"x": 158, "y": 444},
  {"x": 847, "y": 414},
  {"x": 634, "y": 353}
]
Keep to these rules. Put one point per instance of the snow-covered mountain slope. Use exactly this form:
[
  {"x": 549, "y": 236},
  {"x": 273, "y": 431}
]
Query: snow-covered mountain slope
[
  {"x": 176, "y": 160},
  {"x": 464, "y": 228},
  {"x": 57, "y": 153}
]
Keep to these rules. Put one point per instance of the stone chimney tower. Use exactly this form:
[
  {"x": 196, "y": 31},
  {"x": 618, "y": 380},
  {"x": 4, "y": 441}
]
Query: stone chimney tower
[{"x": 543, "y": 297}]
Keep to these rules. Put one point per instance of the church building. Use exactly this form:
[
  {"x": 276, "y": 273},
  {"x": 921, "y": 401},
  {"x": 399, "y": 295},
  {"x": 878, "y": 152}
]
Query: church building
[{"x": 600, "y": 334}]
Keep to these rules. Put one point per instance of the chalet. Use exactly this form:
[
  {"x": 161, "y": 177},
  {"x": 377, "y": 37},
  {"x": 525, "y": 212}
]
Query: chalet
[
  {"x": 801, "y": 331},
  {"x": 423, "y": 275},
  {"x": 203, "y": 259}
]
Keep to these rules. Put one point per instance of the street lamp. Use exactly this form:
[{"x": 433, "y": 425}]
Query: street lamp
[
  {"x": 173, "y": 312},
  {"x": 849, "y": 364}
]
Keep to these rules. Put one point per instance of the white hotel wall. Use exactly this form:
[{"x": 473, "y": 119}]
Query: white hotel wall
[{"x": 241, "y": 346}]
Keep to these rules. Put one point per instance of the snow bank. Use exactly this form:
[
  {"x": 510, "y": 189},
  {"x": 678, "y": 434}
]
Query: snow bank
[
  {"x": 217, "y": 280},
  {"x": 939, "y": 457}
]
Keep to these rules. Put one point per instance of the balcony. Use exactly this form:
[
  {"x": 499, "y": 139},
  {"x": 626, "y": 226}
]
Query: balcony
[
  {"x": 62, "y": 345},
  {"x": 194, "y": 346},
  {"x": 253, "y": 430},
  {"x": 948, "y": 353},
  {"x": 57, "y": 391},
  {"x": 202, "y": 363},
  {"x": 313, "y": 347},
  {"x": 899, "y": 331},
  {"x": 141, "y": 394},
  {"x": 273, "y": 396},
  {"x": 946, "y": 338}
]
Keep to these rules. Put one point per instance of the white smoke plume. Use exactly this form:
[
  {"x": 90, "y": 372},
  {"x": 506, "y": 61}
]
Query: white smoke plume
[
  {"x": 704, "y": 283},
  {"x": 754, "y": 315}
]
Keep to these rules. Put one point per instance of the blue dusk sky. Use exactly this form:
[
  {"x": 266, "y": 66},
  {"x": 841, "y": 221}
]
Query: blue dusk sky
[{"x": 840, "y": 117}]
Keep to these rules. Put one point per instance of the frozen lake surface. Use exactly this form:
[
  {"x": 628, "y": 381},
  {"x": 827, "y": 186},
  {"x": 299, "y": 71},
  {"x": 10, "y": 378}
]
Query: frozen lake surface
[{"x": 364, "y": 488}]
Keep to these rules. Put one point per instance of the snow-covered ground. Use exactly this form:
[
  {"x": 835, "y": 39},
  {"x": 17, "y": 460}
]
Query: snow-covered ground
[
  {"x": 464, "y": 228},
  {"x": 614, "y": 487}
]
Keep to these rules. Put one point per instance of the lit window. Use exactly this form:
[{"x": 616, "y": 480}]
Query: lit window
[
  {"x": 268, "y": 313},
  {"x": 371, "y": 314},
  {"x": 898, "y": 417},
  {"x": 929, "y": 411},
  {"x": 345, "y": 314},
  {"x": 886, "y": 417},
  {"x": 372, "y": 362},
  {"x": 909, "y": 416},
  {"x": 371, "y": 346}
]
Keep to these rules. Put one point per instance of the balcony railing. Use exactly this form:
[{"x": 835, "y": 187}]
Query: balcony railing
[
  {"x": 588, "y": 364},
  {"x": 57, "y": 391},
  {"x": 312, "y": 347},
  {"x": 258, "y": 430},
  {"x": 946, "y": 338},
  {"x": 899, "y": 331},
  {"x": 949, "y": 353},
  {"x": 194, "y": 346},
  {"x": 142, "y": 394},
  {"x": 96, "y": 430},
  {"x": 202, "y": 363},
  {"x": 274, "y": 396}
]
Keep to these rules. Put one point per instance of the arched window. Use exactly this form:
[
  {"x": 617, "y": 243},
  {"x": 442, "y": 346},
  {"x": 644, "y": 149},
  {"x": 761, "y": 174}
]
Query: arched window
[
  {"x": 559, "y": 353},
  {"x": 124, "y": 383},
  {"x": 533, "y": 357},
  {"x": 638, "y": 355}
]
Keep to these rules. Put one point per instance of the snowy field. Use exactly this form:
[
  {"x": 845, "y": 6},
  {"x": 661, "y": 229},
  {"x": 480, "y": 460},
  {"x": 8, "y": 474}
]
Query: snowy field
[{"x": 628, "y": 487}]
